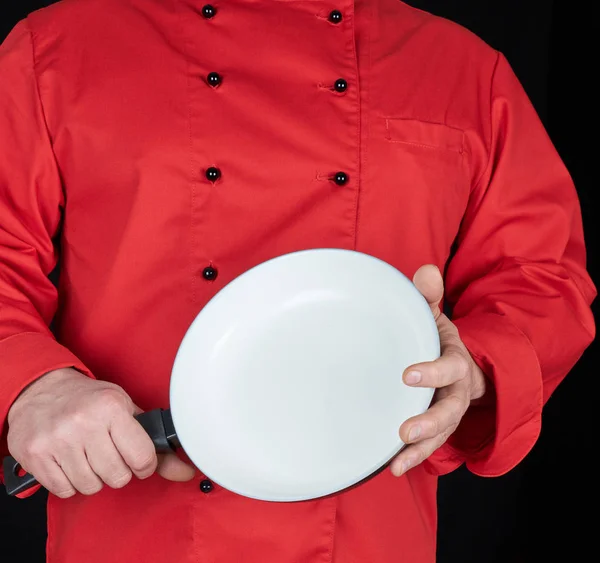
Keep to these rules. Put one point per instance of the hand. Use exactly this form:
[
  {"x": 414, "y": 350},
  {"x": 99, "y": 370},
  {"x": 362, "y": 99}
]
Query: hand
[
  {"x": 458, "y": 379},
  {"x": 73, "y": 433}
]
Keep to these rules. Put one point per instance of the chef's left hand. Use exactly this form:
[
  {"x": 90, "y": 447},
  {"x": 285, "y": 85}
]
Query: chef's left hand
[{"x": 458, "y": 381}]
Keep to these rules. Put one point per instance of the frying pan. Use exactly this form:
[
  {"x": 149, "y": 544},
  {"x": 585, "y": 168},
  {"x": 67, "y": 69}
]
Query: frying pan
[{"x": 288, "y": 386}]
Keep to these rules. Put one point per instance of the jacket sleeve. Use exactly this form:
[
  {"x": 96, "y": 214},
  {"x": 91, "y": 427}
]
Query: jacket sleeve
[
  {"x": 31, "y": 203},
  {"x": 517, "y": 284}
]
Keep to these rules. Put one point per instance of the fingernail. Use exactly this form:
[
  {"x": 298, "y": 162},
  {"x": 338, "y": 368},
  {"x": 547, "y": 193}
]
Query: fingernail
[
  {"x": 414, "y": 433},
  {"x": 405, "y": 465},
  {"x": 413, "y": 377}
]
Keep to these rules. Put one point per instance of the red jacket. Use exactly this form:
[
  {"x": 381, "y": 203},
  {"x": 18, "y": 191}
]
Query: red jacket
[{"x": 108, "y": 124}]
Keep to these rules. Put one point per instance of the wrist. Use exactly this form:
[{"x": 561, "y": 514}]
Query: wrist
[{"x": 51, "y": 377}]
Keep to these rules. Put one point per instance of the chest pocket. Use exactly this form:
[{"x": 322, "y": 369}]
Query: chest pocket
[
  {"x": 424, "y": 135},
  {"x": 427, "y": 161},
  {"x": 418, "y": 182}
]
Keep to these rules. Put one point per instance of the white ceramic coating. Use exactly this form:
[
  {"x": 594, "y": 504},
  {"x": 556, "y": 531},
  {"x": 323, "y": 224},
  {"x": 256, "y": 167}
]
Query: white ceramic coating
[{"x": 288, "y": 384}]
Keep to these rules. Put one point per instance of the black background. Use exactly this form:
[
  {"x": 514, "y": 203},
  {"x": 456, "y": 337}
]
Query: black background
[{"x": 542, "y": 511}]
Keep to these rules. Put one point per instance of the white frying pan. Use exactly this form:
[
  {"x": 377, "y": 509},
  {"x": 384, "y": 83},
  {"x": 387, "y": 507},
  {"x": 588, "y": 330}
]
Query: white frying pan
[{"x": 288, "y": 384}]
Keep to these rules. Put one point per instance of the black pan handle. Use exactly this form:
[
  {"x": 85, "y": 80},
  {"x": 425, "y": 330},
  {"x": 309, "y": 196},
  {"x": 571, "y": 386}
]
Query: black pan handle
[
  {"x": 15, "y": 483},
  {"x": 158, "y": 423},
  {"x": 159, "y": 426}
]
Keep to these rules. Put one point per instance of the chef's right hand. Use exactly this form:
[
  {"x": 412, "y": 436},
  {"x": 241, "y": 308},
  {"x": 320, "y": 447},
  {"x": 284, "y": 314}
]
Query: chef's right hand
[{"x": 73, "y": 433}]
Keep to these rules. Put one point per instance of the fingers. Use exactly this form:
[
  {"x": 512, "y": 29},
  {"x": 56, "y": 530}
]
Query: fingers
[
  {"x": 451, "y": 367},
  {"x": 441, "y": 419},
  {"x": 428, "y": 280},
  {"x": 63, "y": 471},
  {"x": 172, "y": 468},
  {"x": 106, "y": 462},
  {"x": 451, "y": 374},
  {"x": 425, "y": 433},
  {"x": 139, "y": 453},
  {"x": 49, "y": 474},
  {"x": 76, "y": 467},
  {"x": 413, "y": 455},
  {"x": 106, "y": 459},
  {"x": 134, "y": 445},
  {"x": 75, "y": 435},
  {"x": 144, "y": 461}
]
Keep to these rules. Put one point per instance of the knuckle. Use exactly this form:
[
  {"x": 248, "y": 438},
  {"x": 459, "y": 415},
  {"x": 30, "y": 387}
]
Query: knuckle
[
  {"x": 452, "y": 345},
  {"x": 462, "y": 365},
  {"x": 434, "y": 373},
  {"x": 422, "y": 455},
  {"x": 435, "y": 426},
  {"x": 112, "y": 399},
  {"x": 454, "y": 336},
  {"x": 64, "y": 431},
  {"x": 144, "y": 462},
  {"x": 67, "y": 426},
  {"x": 78, "y": 418},
  {"x": 36, "y": 448},
  {"x": 457, "y": 405}
]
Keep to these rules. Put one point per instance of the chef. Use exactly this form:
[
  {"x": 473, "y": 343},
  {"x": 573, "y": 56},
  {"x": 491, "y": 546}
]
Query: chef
[{"x": 164, "y": 147}]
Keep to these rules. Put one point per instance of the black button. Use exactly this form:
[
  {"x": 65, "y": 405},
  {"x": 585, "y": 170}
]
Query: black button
[
  {"x": 335, "y": 16},
  {"x": 209, "y": 274},
  {"x": 340, "y": 178},
  {"x": 340, "y": 85},
  {"x": 214, "y": 79},
  {"x": 208, "y": 11},
  {"x": 213, "y": 174},
  {"x": 206, "y": 486}
]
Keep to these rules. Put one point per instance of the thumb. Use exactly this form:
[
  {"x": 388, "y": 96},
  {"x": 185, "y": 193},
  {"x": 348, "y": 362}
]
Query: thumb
[
  {"x": 428, "y": 280},
  {"x": 172, "y": 468},
  {"x": 169, "y": 466}
]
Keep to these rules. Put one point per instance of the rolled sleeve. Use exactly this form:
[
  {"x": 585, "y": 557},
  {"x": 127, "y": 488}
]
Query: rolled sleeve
[
  {"x": 517, "y": 286},
  {"x": 495, "y": 437}
]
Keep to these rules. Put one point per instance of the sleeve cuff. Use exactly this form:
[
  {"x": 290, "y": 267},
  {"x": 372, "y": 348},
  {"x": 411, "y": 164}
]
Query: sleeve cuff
[
  {"x": 493, "y": 438},
  {"x": 24, "y": 358}
]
